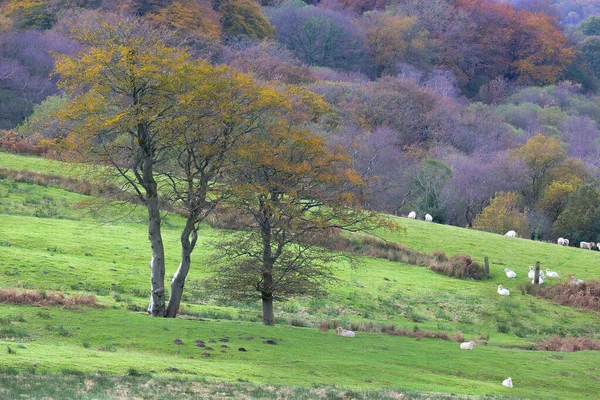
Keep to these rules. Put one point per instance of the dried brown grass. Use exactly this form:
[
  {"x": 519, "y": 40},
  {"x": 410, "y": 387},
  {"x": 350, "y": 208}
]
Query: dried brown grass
[
  {"x": 42, "y": 298},
  {"x": 15, "y": 143},
  {"x": 460, "y": 266},
  {"x": 585, "y": 296},
  {"x": 71, "y": 184},
  {"x": 568, "y": 344},
  {"x": 418, "y": 334}
]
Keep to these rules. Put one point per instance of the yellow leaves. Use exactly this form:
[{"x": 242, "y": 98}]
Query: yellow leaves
[
  {"x": 503, "y": 215},
  {"x": 540, "y": 152},
  {"x": 191, "y": 17}
]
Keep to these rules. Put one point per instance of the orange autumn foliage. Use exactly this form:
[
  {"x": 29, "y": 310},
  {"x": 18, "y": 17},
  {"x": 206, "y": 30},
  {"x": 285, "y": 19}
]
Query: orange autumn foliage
[{"x": 517, "y": 44}]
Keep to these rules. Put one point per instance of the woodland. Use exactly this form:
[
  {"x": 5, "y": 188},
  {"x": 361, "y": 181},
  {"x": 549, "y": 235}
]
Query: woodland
[{"x": 481, "y": 113}]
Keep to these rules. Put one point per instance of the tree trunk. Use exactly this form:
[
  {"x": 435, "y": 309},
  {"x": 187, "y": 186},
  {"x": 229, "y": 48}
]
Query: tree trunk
[
  {"x": 267, "y": 270},
  {"x": 188, "y": 242},
  {"x": 267, "y": 306},
  {"x": 156, "y": 308}
]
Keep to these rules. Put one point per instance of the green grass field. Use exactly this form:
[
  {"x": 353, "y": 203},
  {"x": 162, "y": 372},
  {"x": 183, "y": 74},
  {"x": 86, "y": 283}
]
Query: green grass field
[{"x": 54, "y": 240}]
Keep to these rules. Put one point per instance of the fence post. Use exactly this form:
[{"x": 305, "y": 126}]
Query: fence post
[
  {"x": 486, "y": 266},
  {"x": 536, "y": 276}
]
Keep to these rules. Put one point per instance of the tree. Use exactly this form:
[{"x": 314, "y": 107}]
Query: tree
[
  {"x": 503, "y": 215},
  {"x": 319, "y": 37},
  {"x": 542, "y": 53},
  {"x": 591, "y": 26},
  {"x": 590, "y": 51},
  {"x": 428, "y": 184},
  {"x": 30, "y": 14},
  {"x": 42, "y": 123},
  {"x": 245, "y": 18},
  {"x": 475, "y": 179},
  {"x": 25, "y": 64},
  {"x": 517, "y": 44},
  {"x": 580, "y": 220},
  {"x": 125, "y": 89},
  {"x": 540, "y": 155},
  {"x": 290, "y": 192},
  {"x": 269, "y": 60},
  {"x": 190, "y": 16},
  {"x": 155, "y": 116},
  {"x": 221, "y": 110},
  {"x": 555, "y": 197},
  {"x": 394, "y": 40}
]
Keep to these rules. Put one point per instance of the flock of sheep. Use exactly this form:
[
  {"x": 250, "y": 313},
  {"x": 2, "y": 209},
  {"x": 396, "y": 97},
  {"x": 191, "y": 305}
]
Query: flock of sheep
[
  {"x": 413, "y": 215},
  {"x": 560, "y": 241},
  {"x": 501, "y": 290}
]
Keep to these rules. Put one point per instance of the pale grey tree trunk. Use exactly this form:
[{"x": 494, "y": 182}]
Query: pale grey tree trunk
[
  {"x": 188, "y": 242},
  {"x": 156, "y": 308},
  {"x": 144, "y": 172}
]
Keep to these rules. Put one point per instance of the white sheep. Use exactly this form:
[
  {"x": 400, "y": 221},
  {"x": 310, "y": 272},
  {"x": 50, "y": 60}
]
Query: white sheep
[
  {"x": 586, "y": 245},
  {"x": 551, "y": 274},
  {"x": 507, "y": 382},
  {"x": 575, "y": 281},
  {"x": 343, "y": 332},
  {"x": 502, "y": 291},
  {"x": 467, "y": 345},
  {"x": 511, "y": 234},
  {"x": 541, "y": 280},
  {"x": 412, "y": 215},
  {"x": 567, "y": 242},
  {"x": 531, "y": 273},
  {"x": 428, "y": 218},
  {"x": 510, "y": 273},
  {"x": 561, "y": 241}
]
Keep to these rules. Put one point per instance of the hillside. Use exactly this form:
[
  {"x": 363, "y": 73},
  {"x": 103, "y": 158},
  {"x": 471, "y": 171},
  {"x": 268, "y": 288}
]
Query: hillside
[
  {"x": 52, "y": 241},
  {"x": 425, "y": 95}
]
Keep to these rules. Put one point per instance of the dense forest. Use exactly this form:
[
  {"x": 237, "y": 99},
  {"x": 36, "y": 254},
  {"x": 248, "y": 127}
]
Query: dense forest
[{"x": 481, "y": 113}]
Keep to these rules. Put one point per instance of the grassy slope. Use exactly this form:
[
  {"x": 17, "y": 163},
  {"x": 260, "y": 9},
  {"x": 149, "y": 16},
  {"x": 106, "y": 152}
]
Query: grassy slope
[{"x": 70, "y": 251}]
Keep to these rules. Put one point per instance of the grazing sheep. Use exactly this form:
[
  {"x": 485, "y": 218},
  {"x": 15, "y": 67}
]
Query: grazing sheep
[
  {"x": 511, "y": 234},
  {"x": 586, "y": 245},
  {"x": 561, "y": 241},
  {"x": 510, "y": 273},
  {"x": 531, "y": 273},
  {"x": 343, "y": 332},
  {"x": 428, "y": 218},
  {"x": 412, "y": 215},
  {"x": 502, "y": 291},
  {"x": 507, "y": 382},
  {"x": 567, "y": 242},
  {"x": 551, "y": 274},
  {"x": 467, "y": 345},
  {"x": 575, "y": 281}
]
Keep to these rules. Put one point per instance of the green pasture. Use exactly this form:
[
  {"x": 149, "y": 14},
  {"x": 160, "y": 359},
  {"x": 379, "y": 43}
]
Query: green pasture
[{"x": 55, "y": 240}]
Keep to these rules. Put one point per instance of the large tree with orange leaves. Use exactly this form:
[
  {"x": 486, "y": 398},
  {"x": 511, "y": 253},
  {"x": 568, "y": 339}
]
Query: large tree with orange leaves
[
  {"x": 517, "y": 44},
  {"x": 289, "y": 191}
]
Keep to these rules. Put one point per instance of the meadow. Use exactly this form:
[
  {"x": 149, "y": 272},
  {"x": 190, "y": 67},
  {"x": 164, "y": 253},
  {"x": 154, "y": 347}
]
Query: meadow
[{"x": 55, "y": 241}]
